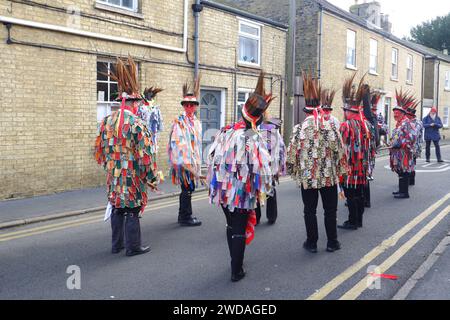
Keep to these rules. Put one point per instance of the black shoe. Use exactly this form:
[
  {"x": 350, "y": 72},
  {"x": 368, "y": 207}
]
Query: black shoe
[
  {"x": 428, "y": 160},
  {"x": 401, "y": 196},
  {"x": 271, "y": 222},
  {"x": 191, "y": 222},
  {"x": 359, "y": 225},
  {"x": 309, "y": 247},
  {"x": 347, "y": 226},
  {"x": 395, "y": 192},
  {"x": 141, "y": 250},
  {"x": 239, "y": 276},
  {"x": 332, "y": 247},
  {"x": 440, "y": 160},
  {"x": 116, "y": 251}
]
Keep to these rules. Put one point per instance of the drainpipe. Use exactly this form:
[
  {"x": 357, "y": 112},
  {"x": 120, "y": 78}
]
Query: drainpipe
[
  {"x": 423, "y": 86},
  {"x": 438, "y": 85},
  {"x": 196, "y": 8},
  {"x": 319, "y": 72}
]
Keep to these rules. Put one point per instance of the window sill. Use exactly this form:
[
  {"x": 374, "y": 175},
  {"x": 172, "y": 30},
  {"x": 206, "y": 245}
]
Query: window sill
[
  {"x": 249, "y": 65},
  {"x": 409, "y": 83},
  {"x": 106, "y": 7},
  {"x": 374, "y": 73},
  {"x": 447, "y": 89},
  {"x": 394, "y": 79},
  {"x": 351, "y": 67}
]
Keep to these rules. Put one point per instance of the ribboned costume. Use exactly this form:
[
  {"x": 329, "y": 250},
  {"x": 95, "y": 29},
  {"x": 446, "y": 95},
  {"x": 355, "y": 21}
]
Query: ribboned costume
[
  {"x": 316, "y": 160},
  {"x": 125, "y": 148},
  {"x": 185, "y": 154},
  {"x": 356, "y": 135},
  {"x": 240, "y": 175}
]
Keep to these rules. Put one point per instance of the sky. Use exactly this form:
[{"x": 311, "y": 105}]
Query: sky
[{"x": 405, "y": 14}]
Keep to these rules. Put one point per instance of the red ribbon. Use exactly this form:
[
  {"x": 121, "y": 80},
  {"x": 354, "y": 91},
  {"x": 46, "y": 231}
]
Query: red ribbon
[{"x": 384, "y": 276}]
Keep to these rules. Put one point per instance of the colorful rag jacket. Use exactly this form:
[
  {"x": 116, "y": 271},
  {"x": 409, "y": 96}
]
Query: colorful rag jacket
[
  {"x": 418, "y": 128},
  {"x": 239, "y": 171},
  {"x": 372, "y": 148},
  {"x": 403, "y": 141},
  {"x": 152, "y": 117},
  {"x": 276, "y": 148},
  {"x": 185, "y": 151},
  {"x": 129, "y": 160},
  {"x": 356, "y": 137},
  {"x": 316, "y": 155}
]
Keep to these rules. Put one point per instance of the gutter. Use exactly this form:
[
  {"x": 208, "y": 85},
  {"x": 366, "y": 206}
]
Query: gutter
[{"x": 94, "y": 35}]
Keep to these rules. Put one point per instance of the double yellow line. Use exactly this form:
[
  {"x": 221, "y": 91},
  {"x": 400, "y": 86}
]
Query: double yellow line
[
  {"x": 83, "y": 221},
  {"x": 362, "y": 285}
]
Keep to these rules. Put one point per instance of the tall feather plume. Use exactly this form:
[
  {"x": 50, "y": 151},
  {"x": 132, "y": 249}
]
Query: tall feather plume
[
  {"x": 327, "y": 97},
  {"x": 375, "y": 99},
  {"x": 353, "y": 95},
  {"x": 311, "y": 89},
  {"x": 126, "y": 76},
  {"x": 405, "y": 99},
  {"x": 150, "y": 93},
  {"x": 186, "y": 89}
]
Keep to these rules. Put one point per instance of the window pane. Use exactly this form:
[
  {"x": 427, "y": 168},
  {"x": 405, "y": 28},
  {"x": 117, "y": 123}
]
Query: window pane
[
  {"x": 115, "y": 2},
  {"x": 113, "y": 91},
  {"x": 373, "y": 47},
  {"x": 351, "y": 39},
  {"x": 102, "y": 71},
  {"x": 102, "y": 91},
  {"x": 248, "y": 50},
  {"x": 128, "y": 4},
  {"x": 241, "y": 97},
  {"x": 394, "y": 56},
  {"x": 250, "y": 30}
]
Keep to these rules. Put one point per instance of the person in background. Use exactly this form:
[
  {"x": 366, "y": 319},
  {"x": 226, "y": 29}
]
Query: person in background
[{"x": 432, "y": 123}]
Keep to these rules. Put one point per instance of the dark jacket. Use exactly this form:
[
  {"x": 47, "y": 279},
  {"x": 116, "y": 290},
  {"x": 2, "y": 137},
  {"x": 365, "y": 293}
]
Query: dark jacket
[{"x": 432, "y": 132}]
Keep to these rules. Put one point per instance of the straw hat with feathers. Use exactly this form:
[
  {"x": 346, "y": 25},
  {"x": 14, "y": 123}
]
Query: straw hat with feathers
[
  {"x": 406, "y": 101},
  {"x": 126, "y": 75},
  {"x": 150, "y": 93},
  {"x": 311, "y": 91},
  {"x": 353, "y": 96},
  {"x": 191, "y": 96},
  {"x": 327, "y": 97}
]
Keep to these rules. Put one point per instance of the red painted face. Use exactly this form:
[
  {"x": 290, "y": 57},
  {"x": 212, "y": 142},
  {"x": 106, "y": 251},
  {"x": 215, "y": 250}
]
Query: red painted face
[
  {"x": 190, "y": 109},
  {"x": 326, "y": 114},
  {"x": 398, "y": 115}
]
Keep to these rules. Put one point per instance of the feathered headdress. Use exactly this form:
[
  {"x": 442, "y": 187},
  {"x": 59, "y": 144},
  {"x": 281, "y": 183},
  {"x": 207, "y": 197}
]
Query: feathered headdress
[
  {"x": 375, "y": 99},
  {"x": 150, "y": 93},
  {"x": 191, "y": 96},
  {"x": 257, "y": 103},
  {"x": 127, "y": 79},
  {"x": 311, "y": 91},
  {"x": 406, "y": 101},
  {"x": 353, "y": 96},
  {"x": 327, "y": 98}
]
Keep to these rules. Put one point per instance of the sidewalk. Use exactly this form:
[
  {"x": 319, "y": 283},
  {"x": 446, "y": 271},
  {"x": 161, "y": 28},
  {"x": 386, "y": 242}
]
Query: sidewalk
[
  {"x": 432, "y": 280},
  {"x": 65, "y": 204}
]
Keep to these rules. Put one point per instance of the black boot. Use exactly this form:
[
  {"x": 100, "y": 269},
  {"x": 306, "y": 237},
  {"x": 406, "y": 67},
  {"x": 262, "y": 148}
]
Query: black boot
[
  {"x": 412, "y": 178},
  {"x": 351, "y": 223},
  {"x": 237, "y": 257},
  {"x": 404, "y": 184},
  {"x": 272, "y": 209},
  {"x": 258, "y": 213},
  {"x": 367, "y": 203}
]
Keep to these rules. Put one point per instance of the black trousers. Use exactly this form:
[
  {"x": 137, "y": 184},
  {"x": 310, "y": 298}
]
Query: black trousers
[
  {"x": 310, "y": 198},
  {"x": 236, "y": 225},
  {"x": 367, "y": 194},
  {"x": 185, "y": 211},
  {"x": 428, "y": 149},
  {"x": 125, "y": 226},
  {"x": 403, "y": 182},
  {"x": 271, "y": 208},
  {"x": 355, "y": 201}
]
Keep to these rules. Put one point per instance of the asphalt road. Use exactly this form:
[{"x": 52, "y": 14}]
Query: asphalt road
[{"x": 193, "y": 263}]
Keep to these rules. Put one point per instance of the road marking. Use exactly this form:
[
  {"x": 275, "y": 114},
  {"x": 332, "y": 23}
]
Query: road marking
[
  {"x": 74, "y": 223},
  {"x": 385, "y": 245},
  {"x": 361, "y": 286}
]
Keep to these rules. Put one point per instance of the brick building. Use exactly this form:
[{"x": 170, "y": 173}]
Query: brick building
[
  {"x": 336, "y": 43},
  {"x": 53, "y": 91}
]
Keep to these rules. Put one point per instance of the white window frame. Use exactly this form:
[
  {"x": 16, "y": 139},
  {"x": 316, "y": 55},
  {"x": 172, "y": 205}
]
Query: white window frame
[
  {"x": 409, "y": 68},
  {"x": 109, "y": 105},
  {"x": 373, "y": 69},
  {"x": 134, "y": 9},
  {"x": 351, "y": 66},
  {"x": 447, "y": 80},
  {"x": 446, "y": 116},
  {"x": 394, "y": 63},
  {"x": 253, "y": 37},
  {"x": 247, "y": 93}
]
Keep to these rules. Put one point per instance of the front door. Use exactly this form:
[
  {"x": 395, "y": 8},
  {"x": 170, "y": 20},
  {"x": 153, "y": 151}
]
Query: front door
[{"x": 210, "y": 112}]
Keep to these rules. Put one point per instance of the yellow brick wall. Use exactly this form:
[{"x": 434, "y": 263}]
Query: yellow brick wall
[
  {"x": 48, "y": 112},
  {"x": 334, "y": 70}
]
